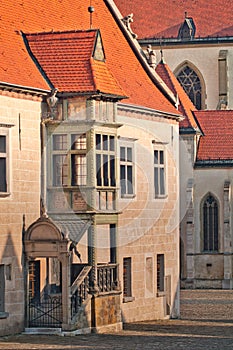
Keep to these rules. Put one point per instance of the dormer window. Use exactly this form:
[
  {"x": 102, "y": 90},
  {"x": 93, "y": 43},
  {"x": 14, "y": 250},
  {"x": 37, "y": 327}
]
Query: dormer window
[
  {"x": 187, "y": 29},
  {"x": 98, "y": 53}
]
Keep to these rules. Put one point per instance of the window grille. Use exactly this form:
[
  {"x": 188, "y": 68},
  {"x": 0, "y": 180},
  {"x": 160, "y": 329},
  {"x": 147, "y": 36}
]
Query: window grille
[
  {"x": 160, "y": 273},
  {"x": 127, "y": 288}
]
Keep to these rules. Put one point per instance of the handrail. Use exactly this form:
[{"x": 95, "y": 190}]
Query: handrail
[
  {"x": 107, "y": 277},
  {"x": 80, "y": 278}
]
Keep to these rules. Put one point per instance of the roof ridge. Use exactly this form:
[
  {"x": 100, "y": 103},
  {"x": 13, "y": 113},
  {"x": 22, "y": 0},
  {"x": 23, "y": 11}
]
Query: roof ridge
[{"x": 141, "y": 57}]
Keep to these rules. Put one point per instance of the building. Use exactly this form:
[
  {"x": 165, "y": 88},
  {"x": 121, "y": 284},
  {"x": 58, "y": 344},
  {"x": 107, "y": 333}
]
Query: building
[
  {"x": 196, "y": 44},
  {"x": 197, "y": 47},
  {"x": 95, "y": 241},
  {"x": 205, "y": 191}
]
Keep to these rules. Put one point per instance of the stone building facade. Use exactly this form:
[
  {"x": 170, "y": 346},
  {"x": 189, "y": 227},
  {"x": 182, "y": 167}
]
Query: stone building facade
[
  {"x": 19, "y": 197},
  {"x": 93, "y": 160},
  {"x": 197, "y": 47}
]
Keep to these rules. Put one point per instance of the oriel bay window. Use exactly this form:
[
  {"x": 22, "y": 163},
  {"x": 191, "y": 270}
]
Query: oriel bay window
[
  {"x": 69, "y": 160},
  {"x": 105, "y": 160}
]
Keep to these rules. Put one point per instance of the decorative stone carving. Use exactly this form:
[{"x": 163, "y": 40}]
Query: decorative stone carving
[
  {"x": 127, "y": 20},
  {"x": 151, "y": 56},
  {"x": 52, "y": 102}
]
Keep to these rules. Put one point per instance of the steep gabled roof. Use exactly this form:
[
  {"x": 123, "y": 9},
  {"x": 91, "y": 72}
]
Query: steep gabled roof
[
  {"x": 73, "y": 61},
  {"x": 185, "y": 106},
  {"x": 27, "y": 16},
  {"x": 217, "y": 142},
  {"x": 157, "y": 19}
]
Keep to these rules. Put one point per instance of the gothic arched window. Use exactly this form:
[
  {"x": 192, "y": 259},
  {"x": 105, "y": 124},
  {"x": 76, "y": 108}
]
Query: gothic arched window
[
  {"x": 210, "y": 224},
  {"x": 191, "y": 83}
]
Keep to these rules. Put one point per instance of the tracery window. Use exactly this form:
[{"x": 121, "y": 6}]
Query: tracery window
[
  {"x": 191, "y": 83},
  {"x": 210, "y": 224}
]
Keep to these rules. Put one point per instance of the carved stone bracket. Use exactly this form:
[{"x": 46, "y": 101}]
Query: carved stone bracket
[{"x": 127, "y": 20}]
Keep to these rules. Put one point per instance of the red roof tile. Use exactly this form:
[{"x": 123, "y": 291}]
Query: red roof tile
[
  {"x": 157, "y": 19},
  {"x": 217, "y": 142},
  {"x": 16, "y": 67},
  {"x": 67, "y": 60},
  {"x": 186, "y": 106}
]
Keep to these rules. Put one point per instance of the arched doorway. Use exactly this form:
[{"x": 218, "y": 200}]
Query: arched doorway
[{"x": 47, "y": 267}]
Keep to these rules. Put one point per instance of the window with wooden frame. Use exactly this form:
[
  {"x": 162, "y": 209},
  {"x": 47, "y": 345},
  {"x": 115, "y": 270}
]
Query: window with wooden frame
[
  {"x": 4, "y": 161},
  {"x": 127, "y": 169},
  {"x": 159, "y": 173},
  {"x": 105, "y": 160},
  {"x": 69, "y": 166}
]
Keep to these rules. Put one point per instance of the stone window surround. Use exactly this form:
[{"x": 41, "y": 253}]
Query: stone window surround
[
  {"x": 5, "y": 131},
  {"x": 128, "y": 143}
]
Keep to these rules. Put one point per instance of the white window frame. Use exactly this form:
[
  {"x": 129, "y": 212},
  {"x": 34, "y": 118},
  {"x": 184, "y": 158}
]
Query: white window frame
[
  {"x": 68, "y": 152},
  {"x": 4, "y": 131},
  {"x": 103, "y": 152},
  {"x": 127, "y": 143},
  {"x": 159, "y": 166}
]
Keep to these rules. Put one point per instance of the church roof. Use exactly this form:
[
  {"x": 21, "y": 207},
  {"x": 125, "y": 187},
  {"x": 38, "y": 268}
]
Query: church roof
[
  {"x": 17, "y": 67},
  {"x": 217, "y": 142},
  {"x": 73, "y": 61},
  {"x": 154, "y": 19},
  {"x": 186, "y": 106}
]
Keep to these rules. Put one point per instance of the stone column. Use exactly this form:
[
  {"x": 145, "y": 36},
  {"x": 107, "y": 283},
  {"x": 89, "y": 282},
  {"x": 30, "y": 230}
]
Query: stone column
[
  {"x": 92, "y": 258},
  {"x": 66, "y": 302},
  {"x": 114, "y": 253},
  {"x": 190, "y": 231},
  {"x": 227, "y": 242}
]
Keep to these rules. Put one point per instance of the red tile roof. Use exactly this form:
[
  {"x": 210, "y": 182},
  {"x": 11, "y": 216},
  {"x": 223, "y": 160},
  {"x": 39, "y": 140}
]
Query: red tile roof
[
  {"x": 217, "y": 142},
  {"x": 186, "y": 106},
  {"x": 163, "y": 19},
  {"x": 16, "y": 66},
  {"x": 67, "y": 60}
]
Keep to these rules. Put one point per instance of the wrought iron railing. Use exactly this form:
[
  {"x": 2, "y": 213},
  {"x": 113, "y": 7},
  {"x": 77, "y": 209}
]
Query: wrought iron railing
[
  {"x": 45, "y": 311},
  {"x": 79, "y": 290},
  {"x": 107, "y": 277}
]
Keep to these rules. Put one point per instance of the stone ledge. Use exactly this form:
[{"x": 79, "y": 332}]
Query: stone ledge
[
  {"x": 4, "y": 315},
  {"x": 115, "y": 327}
]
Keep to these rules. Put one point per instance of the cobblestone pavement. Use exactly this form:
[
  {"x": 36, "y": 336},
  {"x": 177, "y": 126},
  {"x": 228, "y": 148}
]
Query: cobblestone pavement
[{"x": 206, "y": 323}]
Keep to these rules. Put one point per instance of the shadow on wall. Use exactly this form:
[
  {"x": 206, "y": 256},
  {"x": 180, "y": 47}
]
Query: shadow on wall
[{"x": 11, "y": 287}]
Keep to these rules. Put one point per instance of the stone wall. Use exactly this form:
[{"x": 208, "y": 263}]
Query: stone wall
[
  {"x": 21, "y": 206},
  {"x": 107, "y": 313}
]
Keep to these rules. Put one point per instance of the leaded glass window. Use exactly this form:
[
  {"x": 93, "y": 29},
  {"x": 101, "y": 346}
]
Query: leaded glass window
[
  {"x": 191, "y": 83},
  {"x": 210, "y": 224}
]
